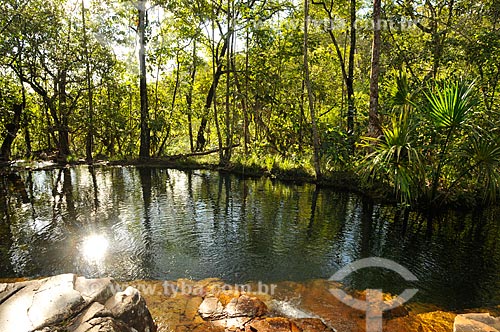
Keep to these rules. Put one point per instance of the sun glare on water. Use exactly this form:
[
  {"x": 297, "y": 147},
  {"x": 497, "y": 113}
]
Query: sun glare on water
[{"x": 94, "y": 248}]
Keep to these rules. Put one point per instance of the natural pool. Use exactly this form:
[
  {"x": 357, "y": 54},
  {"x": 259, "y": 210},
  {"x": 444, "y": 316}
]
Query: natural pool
[{"x": 153, "y": 223}]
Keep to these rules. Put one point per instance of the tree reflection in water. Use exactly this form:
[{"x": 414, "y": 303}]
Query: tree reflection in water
[{"x": 169, "y": 224}]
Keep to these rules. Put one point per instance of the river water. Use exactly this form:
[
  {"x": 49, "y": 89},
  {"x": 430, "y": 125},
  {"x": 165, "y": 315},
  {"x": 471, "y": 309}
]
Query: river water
[{"x": 153, "y": 223}]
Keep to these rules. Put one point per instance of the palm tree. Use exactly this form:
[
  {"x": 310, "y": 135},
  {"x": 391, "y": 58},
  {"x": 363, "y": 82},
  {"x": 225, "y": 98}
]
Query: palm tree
[
  {"x": 449, "y": 109},
  {"x": 395, "y": 154}
]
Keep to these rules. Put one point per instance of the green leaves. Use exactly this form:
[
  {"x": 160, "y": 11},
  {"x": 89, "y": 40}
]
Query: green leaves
[
  {"x": 483, "y": 151},
  {"x": 451, "y": 106},
  {"x": 397, "y": 155}
]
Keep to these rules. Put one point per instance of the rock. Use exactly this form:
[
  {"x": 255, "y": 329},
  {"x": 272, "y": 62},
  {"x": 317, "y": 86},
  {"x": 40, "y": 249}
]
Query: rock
[
  {"x": 274, "y": 324},
  {"x": 192, "y": 306},
  {"x": 281, "y": 324},
  {"x": 211, "y": 309},
  {"x": 309, "y": 325},
  {"x": 129, "y": 307},
  {"x": 237, "y": 323},
  {"x": 476, "y": 322},
  {"x": 75, "y": 304},
  {"x": 245, "y": 306},
  {"x": 54, "y": 301},
  {"x": 435, "y": 321}
]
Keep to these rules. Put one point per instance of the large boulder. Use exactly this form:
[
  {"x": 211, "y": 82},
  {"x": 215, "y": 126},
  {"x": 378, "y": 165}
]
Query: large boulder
[{"x": 70, "y": 303}]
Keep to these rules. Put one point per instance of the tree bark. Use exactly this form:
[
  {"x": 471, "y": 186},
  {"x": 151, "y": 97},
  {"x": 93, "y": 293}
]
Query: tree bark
[
  {"x": 310, "y": 96},
  {"x": 63, "y": 123},
  {"x": 145, "y": 131},
  {"x": 200, "y": 138},
  {"x": 189, "y": 98},
  {"x": 89, "y": 142},
  {"x": 351, "y": 108},
  {"x": 11, "y": 129},
  {"x": 347, "y": 73},
  {"x": 374, "y": 129}
]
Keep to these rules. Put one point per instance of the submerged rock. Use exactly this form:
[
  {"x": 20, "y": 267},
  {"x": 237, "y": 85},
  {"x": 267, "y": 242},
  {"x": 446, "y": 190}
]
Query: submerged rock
[{"x": 74, "y": 304}]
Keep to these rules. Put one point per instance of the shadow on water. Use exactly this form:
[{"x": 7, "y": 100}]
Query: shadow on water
[{"x": 152, "y": 223}]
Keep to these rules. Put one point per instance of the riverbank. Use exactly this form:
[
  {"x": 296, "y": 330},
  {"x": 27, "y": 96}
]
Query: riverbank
[
  {"x": 177, "y": 310},
  {"x": 71, "y": 303},
  {"x": 347, "y": 181}
]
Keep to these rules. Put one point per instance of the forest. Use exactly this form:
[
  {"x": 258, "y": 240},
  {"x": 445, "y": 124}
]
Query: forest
[{"x": 400, "y": 94}]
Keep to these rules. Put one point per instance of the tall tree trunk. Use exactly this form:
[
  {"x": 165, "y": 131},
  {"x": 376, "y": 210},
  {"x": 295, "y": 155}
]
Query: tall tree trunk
[
  {"x": 63, "y": 125},
  {"x": 216, "y": 73},
  {"x": 172, "y": 105},
  {"x": 11, "y": 130},
  {"x": 226, "y": 155},
  {"x": 374, "y": 129},
  {"x": 27, "y": 135},
  {"x": 200, "y": 138},
  {"x": 143, "y": 89},
  {"x": 347, "y": 74},
  {"x": 351, "y": 108},
  {"x": 189, "y": 98},
  {"x": 246, "y": 134},
  {"x": 310, "y": 96},
  {"x": 90, "y": 129}
]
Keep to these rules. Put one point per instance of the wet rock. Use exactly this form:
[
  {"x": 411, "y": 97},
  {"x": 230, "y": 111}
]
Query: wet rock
[
  {"x": 309, "y": 325},
  {"x": 211, "y": 309},
  {"x": 435, "y": 321},
  {"x": 245, "y": 306},
  {"x": 129, "y": 307},
  {"x": 476, "y": 322},
  {"x": 281, "y": 324},
  {"x": 275, "y": 324},
  {"x": 192, "y": 306},
  {"x": 70, "y": 303}
]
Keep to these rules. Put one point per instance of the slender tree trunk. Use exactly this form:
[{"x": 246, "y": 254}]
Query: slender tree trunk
[
  {"x": 374, "y": 129},
  {"x": 145, "y": 131},
  {"x": 200, "y": 138},
  {"x": 351, "y": 108},
  {"x": 172, "y": 105},
  {"x": 243, "y": 92},
  {"x": 90, "y": 130},
  {"x": 27, "y": 135},
  {"x": 216, "y": 73},
  {"x": 11, "y": 129},
  {"x": 189, "y": 98},
  {"x": 310, "y": 96},
  {"x": 63, "y": 126},
  {"x": 226, "y": 155},
  {"x": 246, "y": 134},
  {"x": 302, "y": 115}
]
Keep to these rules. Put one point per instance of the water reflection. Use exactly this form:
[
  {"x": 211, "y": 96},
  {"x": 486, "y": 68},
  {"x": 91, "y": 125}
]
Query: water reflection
[{"x": 133, "y": 223}]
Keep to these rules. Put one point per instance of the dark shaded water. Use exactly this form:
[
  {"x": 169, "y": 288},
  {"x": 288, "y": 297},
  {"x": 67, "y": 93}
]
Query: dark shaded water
[{"x": 133, "y": 223}]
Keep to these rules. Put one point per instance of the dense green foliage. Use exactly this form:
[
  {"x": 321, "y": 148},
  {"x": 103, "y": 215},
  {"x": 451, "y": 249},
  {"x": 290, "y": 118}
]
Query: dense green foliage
[{"x": 228, "y": 76}]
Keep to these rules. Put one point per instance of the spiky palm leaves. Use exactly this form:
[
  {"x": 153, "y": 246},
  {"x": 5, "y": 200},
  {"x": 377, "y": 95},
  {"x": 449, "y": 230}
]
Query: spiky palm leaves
[
  {"x": 456, "y": 151},
  {"x": 449, "y": 109},
  {"x": 396, "y": 156}
]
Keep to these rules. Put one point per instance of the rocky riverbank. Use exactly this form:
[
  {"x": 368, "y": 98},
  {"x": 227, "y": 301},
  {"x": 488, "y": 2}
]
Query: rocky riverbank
[
  {"x": 72, "y": 304},
  {"x": 76, "y": 304},
  {"x": 211, "y": 305}
]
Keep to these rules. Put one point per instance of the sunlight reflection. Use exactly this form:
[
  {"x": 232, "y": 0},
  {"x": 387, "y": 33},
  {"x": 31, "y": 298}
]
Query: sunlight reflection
[{"x": 94, "y": 248}]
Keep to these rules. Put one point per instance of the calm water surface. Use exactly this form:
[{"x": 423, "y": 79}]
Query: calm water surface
[{"x": 151, "y": 223}]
